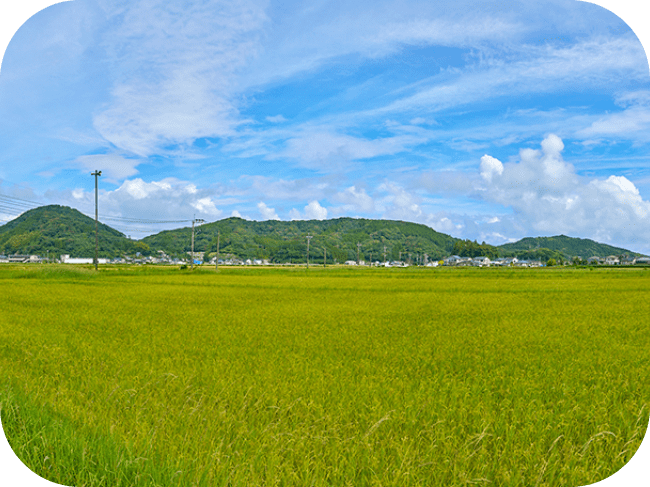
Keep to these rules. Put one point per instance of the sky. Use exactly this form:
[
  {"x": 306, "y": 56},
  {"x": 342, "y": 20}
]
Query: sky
[{"x": 484, "y": 120}]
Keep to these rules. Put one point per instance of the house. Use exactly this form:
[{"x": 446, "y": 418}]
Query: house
[
  {"x": 452, "y": 260},
  {"x": 595, "y": 260},
  {"x": 16, "y": 258},
  {"x": 481, "y": 261},
  {"x": 642, "y": 261},
  {"x": 66, "y": 259},
  {"x": 612, "y": 260}
]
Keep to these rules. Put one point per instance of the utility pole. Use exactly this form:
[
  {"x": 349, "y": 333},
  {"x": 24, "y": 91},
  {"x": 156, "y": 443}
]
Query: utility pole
[
  {"x": 384, "y": 254},
  {"x": 96, "y": 173},
  {"x": 358, "y": 247},
  {"x": 309, "y": 237},
  {"x": 216, "y": 267},
  {"x": 195, "y": 220},
  {"x": 324, "y": 257}
]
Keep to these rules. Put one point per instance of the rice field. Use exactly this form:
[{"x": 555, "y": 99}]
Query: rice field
[{"x": 324, "y": 377}]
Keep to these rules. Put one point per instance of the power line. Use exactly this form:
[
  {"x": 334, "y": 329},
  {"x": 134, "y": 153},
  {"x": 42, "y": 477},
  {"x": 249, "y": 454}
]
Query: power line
[
  {"x": 140, "y": 220},
  {"x": 6, "y": 196}
]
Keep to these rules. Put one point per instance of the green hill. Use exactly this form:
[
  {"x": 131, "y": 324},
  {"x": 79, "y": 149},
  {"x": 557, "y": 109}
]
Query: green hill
[
  {"x": 62, "y": 230},
  {"x": 281, "y": 241},
  {"x": 567, "y": 247}
]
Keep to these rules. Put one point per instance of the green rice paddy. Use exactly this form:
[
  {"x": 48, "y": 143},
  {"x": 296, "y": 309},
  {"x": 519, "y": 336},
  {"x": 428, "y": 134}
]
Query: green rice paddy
[{"x": 327, "y": 377}]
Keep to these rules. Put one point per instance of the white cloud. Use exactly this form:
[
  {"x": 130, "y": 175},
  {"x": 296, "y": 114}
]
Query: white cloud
[
  {"x": 355, "y": 200},
  {"x": 293, "y": 189},
  {"x": 138, "y": 189},
  {"x": 175, "y": 71},
  {"x": 276, "y": 119},
  {"x": 489, "y": 167},
  {"x": 548, "y": 197},
  {"x": 399, "y": 204},
  {"x": 266, "y": 212},
  {"x": 206, "y": 206},
  {"x": 633, "y": 123},
  {"x": 444, "y": 225},
  {"x": 167, "y": 199},
  {"x": 314, "y": 211},
  {"x": 113, "y": 166},
  {"x": 330, "y": 151},
  {"x": 533, "y": 69}
]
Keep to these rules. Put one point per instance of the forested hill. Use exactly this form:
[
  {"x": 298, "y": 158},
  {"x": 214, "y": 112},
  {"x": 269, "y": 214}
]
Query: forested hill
[
  {"x": 567, "y": 246},
  {"x": 281, "y": 241},
  {"x": 61, "y": 230}
]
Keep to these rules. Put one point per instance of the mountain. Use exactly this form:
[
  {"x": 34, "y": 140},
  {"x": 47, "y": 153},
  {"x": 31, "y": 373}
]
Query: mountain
[
  {"x": 567, "y": 247},
  {"x": 281, "y": 241},
  {"x": 62, "y": 230}
]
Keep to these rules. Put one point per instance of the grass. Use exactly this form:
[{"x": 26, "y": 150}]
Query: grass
[{"x": 393, "y": 377}]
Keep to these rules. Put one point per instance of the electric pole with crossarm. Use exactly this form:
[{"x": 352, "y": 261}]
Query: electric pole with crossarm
[
  {"x": 196, "y": 220},
  {"x": 96, "y": 173},
  {"x": 309, "y": 237}
]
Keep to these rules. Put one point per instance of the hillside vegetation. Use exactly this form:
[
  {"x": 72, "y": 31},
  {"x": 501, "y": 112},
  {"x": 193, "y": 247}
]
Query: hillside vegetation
[
  {"x": 567, "y": 246},
  {"x": 63, "y": 230},
  {"x": 280, "y": 241}
]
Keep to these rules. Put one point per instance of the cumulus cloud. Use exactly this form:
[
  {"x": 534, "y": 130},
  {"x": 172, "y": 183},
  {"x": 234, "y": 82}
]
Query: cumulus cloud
[
  {"x": 236, "y": 214},
  {"x": 167, "y": 199},
  {"x": 314, "y": 211},
  {"x": 266, "y": 212},
  {"x": 489, "y": 167},
  {"x": 548, "y": 197}
]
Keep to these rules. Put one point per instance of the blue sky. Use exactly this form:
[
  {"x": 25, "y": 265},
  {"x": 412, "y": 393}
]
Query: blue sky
[{"x": 484, "y": 120}]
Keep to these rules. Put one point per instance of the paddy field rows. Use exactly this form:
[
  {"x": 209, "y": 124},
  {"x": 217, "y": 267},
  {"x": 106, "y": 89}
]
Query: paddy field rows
[{"x": 327, "y": 377}]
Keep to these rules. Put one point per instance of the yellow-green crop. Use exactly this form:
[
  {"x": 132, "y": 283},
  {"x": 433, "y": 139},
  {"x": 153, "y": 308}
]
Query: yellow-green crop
[{"x": 326, "y": 377}]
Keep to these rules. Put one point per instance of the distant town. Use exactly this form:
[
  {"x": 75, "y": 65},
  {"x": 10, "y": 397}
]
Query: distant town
[{"x": 452, "y": 261}]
